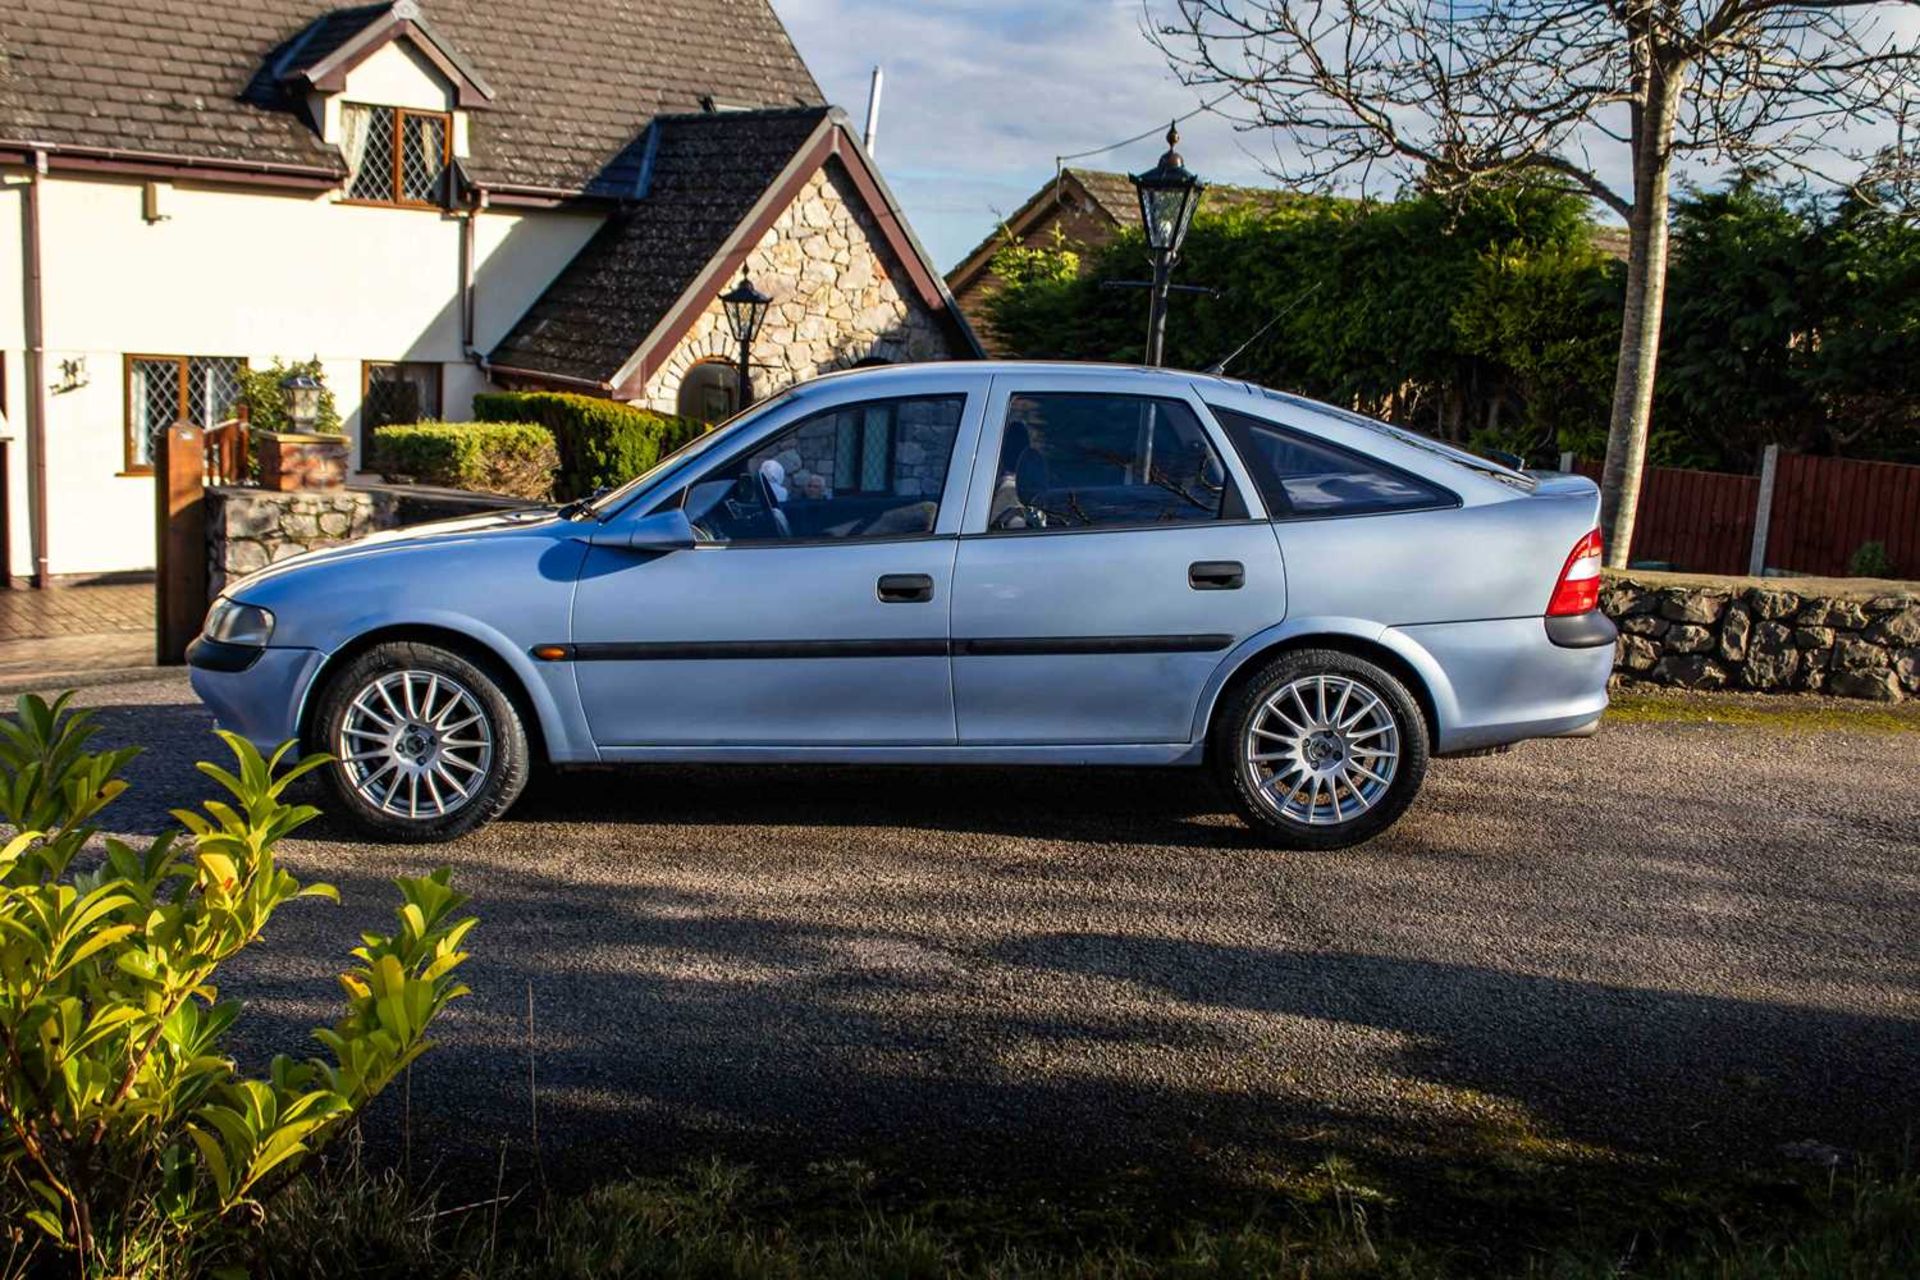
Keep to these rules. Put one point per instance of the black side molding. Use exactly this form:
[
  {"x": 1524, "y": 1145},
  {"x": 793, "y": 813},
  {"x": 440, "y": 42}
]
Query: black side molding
[
  {"x": 1041, "y": 646},
  {"x": 1009, "y": 646},
  {"x": 1582, "y": 630},
  {"x": 217, "y": 655}
]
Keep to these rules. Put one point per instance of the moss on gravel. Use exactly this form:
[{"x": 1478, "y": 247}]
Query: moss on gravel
[{"x": 1784, "y": 713}]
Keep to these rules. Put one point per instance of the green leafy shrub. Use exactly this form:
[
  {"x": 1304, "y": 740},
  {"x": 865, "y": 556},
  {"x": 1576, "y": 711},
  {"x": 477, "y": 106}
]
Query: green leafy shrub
[
  {"x": 128, "y": 1141},
  {"x": 1870, "y": 560},
  {"x": 267, "y": 404},
  {"x": 602, "y": 443},
  {"x": 515, "y": 458}
]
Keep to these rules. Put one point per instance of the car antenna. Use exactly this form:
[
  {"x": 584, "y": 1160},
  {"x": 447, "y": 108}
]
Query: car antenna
[{"x": 1220, "y": 366}]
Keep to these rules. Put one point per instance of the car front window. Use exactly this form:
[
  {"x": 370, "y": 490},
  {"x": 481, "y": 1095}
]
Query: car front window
[
  {"x": 874, "y": 469},
  {"x": 720, "y": 434}
]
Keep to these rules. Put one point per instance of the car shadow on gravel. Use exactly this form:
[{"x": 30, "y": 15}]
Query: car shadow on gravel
[
  {"x": 1175, "y": 807},
  {"x": 669, "y": 1027}
]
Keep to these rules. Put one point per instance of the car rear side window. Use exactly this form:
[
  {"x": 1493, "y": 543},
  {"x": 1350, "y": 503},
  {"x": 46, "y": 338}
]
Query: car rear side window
[
  {"x": 1077, "y": 461},
  {"x": 1304, "y": 478}
]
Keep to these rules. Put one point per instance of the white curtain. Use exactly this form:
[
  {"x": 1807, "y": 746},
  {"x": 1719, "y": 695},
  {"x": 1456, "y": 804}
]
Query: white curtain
[{"x": 356, "y": 126}]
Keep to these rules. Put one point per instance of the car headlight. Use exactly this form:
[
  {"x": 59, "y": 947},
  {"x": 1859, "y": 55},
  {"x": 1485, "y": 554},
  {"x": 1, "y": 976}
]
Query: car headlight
[{"x": 231, "y": 622}]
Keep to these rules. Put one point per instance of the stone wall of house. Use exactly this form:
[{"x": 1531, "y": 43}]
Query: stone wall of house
[
  {"x": 1852, "y": 641},
  {"x": 249, "y": 529},
  {"x": 838, "y": 298}
]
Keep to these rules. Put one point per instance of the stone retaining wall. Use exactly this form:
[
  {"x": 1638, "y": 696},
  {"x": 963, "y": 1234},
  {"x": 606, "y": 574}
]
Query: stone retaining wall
[
  {"x": 1845, "y": 639},
  {"x": 249, "y": 529}
]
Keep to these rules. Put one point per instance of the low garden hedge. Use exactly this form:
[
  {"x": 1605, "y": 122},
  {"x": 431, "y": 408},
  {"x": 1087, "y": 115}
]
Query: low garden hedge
[
  {"x": 602, "y": 443},
  {"x": 515, "y": 458}
]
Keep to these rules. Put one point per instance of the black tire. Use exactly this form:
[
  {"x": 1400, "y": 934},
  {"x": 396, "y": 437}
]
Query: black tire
[
  {"x": 1277, "y": 817},
  {"x": 506, "y": 762}
]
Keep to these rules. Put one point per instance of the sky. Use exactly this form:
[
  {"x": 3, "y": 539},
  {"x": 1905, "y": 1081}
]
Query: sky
[{"x": 982, "y": 95}]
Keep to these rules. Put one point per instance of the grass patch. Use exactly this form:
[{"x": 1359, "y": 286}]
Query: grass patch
[
  {"x": 838, "y": 1221},
  {"x": 1782, "y": 713}
]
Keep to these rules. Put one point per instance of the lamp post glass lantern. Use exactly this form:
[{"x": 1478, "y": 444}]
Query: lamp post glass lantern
[
  {"x": 746, "y": 309},
  {"x": 1169, "y": 192},
  {"x": 301, "y": 394}
]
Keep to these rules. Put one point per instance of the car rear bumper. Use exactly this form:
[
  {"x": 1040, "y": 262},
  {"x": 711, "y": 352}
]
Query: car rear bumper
[
  {"x": 261, "y": 702},
  {"x": 1507, "y": 680}
]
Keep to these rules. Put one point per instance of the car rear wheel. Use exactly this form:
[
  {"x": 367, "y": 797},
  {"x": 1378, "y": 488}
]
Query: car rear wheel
[
  {"x": 426, "y": 744},
  {"x": 1321, "y": 749}
]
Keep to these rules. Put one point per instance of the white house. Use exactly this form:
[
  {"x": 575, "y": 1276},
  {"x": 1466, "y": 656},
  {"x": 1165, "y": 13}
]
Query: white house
[{"x": 433, "y": 200}]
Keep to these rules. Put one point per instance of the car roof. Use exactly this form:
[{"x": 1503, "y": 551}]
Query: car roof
[{"x": 987, "y": 368}]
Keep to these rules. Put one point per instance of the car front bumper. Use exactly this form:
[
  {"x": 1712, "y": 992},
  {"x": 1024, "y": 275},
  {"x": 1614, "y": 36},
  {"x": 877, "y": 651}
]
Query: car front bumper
[{"x": 261, "y": 700}]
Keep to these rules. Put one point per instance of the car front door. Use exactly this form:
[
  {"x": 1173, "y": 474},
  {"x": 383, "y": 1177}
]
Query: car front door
[
  {"x": 813, "y": 612},
  {"x": 1109, "y": 561}
]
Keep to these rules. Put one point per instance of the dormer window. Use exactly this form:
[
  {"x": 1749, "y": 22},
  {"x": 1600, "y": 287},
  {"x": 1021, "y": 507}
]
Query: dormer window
[{"x": 396, "y": 155}]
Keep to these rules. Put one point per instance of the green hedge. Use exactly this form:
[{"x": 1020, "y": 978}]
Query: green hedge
[
  {"x": 515, "y": 458},
  {"x": 602, "y": 443}
]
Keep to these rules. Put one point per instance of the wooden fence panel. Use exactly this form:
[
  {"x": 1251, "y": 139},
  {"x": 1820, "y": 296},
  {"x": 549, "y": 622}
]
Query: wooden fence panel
[
  {"x": 1697, "y": 521},
  {"x": 1825, "y": 509}
]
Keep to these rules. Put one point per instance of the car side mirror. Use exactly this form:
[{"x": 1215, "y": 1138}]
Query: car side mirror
[{"x": 668, "y": 530}]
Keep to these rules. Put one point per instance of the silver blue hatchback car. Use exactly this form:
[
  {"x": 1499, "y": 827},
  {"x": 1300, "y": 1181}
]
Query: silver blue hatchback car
[{"x": 1001, "y": 563}]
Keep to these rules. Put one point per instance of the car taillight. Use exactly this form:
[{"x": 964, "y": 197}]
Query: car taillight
[{"x": 1578, "y": 590}]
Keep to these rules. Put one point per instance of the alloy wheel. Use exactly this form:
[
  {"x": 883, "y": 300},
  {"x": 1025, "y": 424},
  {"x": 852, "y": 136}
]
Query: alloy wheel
[
  {"x": 415, "y": 744},
  {"x": 1322, "y": 749}
]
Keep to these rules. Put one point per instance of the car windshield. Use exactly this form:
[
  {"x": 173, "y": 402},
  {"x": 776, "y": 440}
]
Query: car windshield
[
  {"x": 1457, "y": 456},
  {"x": 612, "y": 499}
]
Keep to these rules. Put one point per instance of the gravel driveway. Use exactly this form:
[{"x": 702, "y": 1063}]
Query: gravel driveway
[{"x": 1679, "y": 939}]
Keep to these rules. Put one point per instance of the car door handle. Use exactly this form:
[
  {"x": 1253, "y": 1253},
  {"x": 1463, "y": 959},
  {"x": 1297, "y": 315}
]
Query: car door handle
[
  {"x": 1216, "y": 575},
  {"x": 905, "y": 588}
]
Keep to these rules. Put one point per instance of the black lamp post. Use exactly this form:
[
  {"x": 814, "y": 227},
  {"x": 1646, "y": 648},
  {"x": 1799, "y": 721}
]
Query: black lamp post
[
  {"x": 746, "y": 309},
  {"x": 1168, "y": 194},
  {"x": 300, "y": 392}
]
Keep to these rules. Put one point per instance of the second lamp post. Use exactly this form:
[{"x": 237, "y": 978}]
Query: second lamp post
[{"x": 1168, "y": 193}]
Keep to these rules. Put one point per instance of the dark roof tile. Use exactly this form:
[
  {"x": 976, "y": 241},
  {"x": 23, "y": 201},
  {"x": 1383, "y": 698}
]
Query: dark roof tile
[
  {"x": 707, "y": 173},
  {"x": 574, "y": 80}
]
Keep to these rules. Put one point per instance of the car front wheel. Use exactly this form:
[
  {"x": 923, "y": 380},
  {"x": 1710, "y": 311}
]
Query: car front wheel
[
  {"x": 1321, "y": 749},
  {"x": 426, "y": 744}
]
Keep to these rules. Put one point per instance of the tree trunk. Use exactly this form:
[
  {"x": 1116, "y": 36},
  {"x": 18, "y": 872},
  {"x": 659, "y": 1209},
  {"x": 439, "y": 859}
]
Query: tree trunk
[{"x": 1640, "y": 319}]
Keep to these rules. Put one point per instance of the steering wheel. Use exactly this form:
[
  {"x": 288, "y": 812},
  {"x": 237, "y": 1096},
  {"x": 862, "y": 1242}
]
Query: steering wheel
[{"x": 774, "y": 512}]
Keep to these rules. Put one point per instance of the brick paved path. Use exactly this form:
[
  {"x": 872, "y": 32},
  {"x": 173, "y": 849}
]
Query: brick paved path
[{"x": 74, "y": 631}]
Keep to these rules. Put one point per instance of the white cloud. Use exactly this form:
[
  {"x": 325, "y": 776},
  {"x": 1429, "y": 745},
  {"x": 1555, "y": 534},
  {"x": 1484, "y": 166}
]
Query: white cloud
[
  {"x": 981, "y": 96},
  {"x": 980, "y": 99}
]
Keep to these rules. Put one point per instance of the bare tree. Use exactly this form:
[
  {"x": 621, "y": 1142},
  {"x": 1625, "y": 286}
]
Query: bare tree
[{"x": 1469, "y": 92}]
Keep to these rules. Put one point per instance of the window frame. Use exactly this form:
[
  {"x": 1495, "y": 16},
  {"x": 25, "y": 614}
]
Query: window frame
[
  {"x": 1447, "y": 499},
  {"x": 1234, "y": 505},
  {"x": 366, "y": 383},
  {"x": 676, "y": 495},
  {"x": 184, "y": 366},
  {"x": 709, "y": 362},
  {"x": 860, "y": 448},
  {"x": 397, "y": 160}
]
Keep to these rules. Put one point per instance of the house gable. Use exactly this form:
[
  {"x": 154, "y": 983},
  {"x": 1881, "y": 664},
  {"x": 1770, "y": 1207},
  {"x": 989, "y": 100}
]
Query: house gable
[{"x": 711, "y": 190}]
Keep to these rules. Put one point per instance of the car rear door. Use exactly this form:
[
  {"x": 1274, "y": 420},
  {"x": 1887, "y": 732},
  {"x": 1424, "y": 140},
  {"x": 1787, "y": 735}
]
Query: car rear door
[
  {"x": 1113, "y": 552},
  {"x": 817, "y": 617}
]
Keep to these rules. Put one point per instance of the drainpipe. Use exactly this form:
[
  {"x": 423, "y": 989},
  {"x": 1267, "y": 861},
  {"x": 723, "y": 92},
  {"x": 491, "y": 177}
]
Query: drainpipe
[
  {"x": 469, "y": 235},
  {"x": 36, "y": 368}
]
